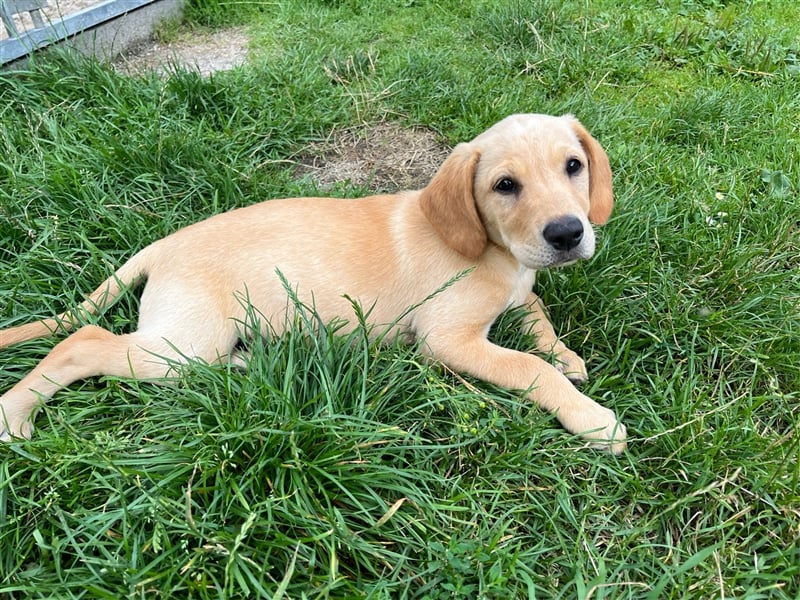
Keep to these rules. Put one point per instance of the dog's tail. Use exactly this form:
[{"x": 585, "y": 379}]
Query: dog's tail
[{"x": 112, "y": 288}]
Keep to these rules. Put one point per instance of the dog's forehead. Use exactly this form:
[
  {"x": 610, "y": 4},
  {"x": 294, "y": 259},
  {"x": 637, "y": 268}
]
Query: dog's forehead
[
  {"x": 526, "y": 140},
  {"x": 530, "y": 128}
]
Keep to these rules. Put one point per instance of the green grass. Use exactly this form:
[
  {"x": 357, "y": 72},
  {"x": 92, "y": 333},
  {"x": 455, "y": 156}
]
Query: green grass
[{"x": 337, "y": 467}]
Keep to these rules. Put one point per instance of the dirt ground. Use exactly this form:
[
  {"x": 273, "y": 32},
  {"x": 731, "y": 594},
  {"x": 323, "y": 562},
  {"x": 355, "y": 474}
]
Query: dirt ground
[
  {"x": 383, "y": 156},
  {"x": 208, "y": 53}
]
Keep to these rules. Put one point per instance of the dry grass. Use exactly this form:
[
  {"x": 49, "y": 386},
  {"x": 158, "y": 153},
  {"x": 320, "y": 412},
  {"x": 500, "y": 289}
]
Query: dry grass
[{"x": 384, "y": 157}]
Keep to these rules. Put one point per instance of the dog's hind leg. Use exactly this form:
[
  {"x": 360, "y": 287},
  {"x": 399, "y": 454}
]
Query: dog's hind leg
[{"x": 93, "y": 351}]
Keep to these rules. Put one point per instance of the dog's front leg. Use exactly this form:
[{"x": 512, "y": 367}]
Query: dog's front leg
[
  {"x": 545, "y": 385},
  {"x": 538, "y": 324}
]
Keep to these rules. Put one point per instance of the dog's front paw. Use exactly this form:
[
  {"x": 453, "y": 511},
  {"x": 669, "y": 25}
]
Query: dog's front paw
[
  {"x": 611, "y": 438},
  {"x": 597, "y": 425},
  {"x": 12, "y": 426},
  {"x": 571, "y": 366}
]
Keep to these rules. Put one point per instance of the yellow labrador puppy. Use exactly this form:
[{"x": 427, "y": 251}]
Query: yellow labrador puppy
[{"x": 518, "y": 198}]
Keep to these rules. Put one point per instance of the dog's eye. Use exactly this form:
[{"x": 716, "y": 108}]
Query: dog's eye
[
  {"x": 506, "y": 186},
  {"x": 574, "y": 166}
]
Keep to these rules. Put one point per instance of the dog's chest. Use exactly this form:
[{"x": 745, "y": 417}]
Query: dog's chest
[{"x": 523, "y": 285}]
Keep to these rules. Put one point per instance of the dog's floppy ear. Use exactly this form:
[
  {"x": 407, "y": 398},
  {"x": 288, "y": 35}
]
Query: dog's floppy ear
[
  {"x": 601, "y": 193},
  {"x": 448, "y": 203}
]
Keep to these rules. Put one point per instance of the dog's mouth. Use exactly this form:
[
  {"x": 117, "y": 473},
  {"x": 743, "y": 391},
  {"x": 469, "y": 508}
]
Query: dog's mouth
[
  {"x": 565, "y": 262},
  {"x": 549, "y": 258},
  {"x": 570, "y": 257}
]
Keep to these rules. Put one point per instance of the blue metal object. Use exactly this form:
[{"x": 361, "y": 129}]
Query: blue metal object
[
  {"x": 9, "y": 8},
  {"x": 71, "y": 25}
]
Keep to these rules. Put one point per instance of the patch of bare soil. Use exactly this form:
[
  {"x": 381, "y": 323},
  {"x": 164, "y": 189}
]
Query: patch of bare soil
[
  {"x": 385, "y": 157},
  {"x": 206, "y": 52}
]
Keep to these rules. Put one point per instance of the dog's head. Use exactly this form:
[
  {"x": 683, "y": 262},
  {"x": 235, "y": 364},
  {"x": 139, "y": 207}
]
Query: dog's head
[{"x": 531, "y": 183}]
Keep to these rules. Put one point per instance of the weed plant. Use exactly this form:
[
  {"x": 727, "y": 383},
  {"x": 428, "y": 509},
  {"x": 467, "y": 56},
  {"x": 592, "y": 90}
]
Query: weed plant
[{"x": 337, "y": 467}]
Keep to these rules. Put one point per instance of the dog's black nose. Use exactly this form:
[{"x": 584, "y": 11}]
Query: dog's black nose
[{"x": 564, "y": 234}]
